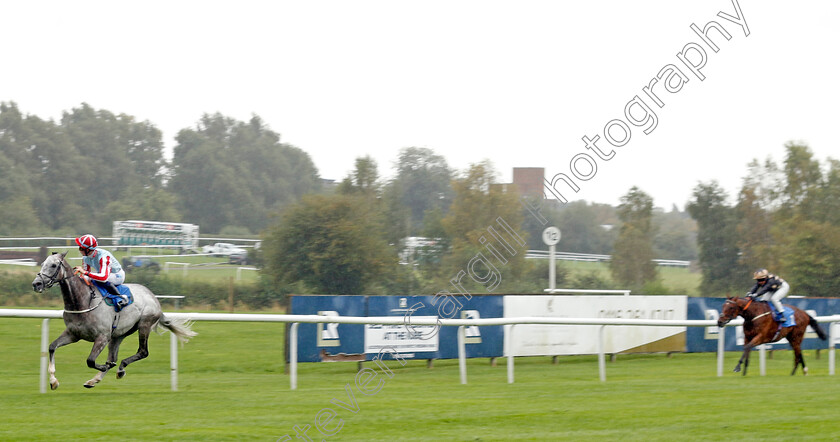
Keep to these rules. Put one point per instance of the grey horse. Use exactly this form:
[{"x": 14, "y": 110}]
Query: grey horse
[{"x": 87, "y": 317}]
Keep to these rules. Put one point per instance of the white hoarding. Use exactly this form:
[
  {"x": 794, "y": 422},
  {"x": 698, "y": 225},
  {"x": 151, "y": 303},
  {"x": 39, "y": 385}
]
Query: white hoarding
[
  {"x": 549, "y": 340},
  {"x": 417, "y": 338}
]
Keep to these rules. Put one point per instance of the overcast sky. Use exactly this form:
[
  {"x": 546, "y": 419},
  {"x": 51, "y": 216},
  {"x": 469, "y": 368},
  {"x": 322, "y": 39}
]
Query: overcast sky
[{"x": 516, "y": 82}]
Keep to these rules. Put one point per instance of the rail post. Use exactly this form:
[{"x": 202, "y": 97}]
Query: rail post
[
  {"x": 602, "y": 363},
  {"x": 762, "y": 359},
  {"x": 509, "y": 347},
  {"x": 720, "y": 350},
  {"x": 293, "y": 355},
  {"x": 45, "y": 354},
  {"x": 462, "y": 354},
  {"x": 173, "y": 361},
  {"x": 831, "y": 327}
]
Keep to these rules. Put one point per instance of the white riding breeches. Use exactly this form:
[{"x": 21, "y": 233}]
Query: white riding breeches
[
  {"x": 117, "y": 278},
  {"x": 777, "y": 296}
]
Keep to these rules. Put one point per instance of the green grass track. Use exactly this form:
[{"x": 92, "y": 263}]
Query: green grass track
[{"x": 233, "y": 387}]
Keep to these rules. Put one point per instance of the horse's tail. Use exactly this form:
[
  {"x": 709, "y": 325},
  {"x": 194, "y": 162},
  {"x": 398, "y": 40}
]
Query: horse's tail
[
  {"x": 816, "y": 326},
  {"x": 181, "y": 328}
]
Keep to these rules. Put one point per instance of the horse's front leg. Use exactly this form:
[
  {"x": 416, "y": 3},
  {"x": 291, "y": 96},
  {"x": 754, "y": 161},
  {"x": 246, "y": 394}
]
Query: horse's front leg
[
  {"x": 745, "y": 359},
  {"x": 98, "y": 345},
  {"x": 63, "y": 339},
  {"x": 113, "y": 351}
]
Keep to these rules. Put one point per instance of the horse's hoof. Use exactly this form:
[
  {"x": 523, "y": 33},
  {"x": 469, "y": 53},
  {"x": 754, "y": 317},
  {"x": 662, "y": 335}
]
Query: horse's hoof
[
  {"x": 110, "y": 364},
  {"x": 120, "y": 374},
  {"x": 737, "y": 369},
  {"x": 53, "y": 385},
  {"x": 89, "y": 384}
]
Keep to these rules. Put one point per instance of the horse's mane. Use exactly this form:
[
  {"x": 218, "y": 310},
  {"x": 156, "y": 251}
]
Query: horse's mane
[{"x": 74, "y": 283}]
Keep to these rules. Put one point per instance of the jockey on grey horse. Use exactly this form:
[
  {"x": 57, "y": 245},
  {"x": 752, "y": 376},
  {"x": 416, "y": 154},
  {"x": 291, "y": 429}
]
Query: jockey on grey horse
[
  {"x": 100, "y": 265},
  {"x": 88, "y": 320}
]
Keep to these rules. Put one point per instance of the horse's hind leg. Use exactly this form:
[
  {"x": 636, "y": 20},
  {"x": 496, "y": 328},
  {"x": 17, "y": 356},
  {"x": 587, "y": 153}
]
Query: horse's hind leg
[
  {"x": 143, "y": 331},
  {"x": 62, "y": 340},
  {"x": 113, "y": 350}
]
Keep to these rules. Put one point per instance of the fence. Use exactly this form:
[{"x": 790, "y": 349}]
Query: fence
[
  {"x": 510, "y": 323},
  {"x": 590, "y": 257}
]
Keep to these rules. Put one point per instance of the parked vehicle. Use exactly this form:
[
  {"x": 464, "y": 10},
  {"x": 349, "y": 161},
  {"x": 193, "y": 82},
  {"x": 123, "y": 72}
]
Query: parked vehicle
[
  {"x": 223, "y": 249},
  {"x": 130, "y": 263},
  {"x": 240, "y": 258},
  {"x": 235, "y": 255}
]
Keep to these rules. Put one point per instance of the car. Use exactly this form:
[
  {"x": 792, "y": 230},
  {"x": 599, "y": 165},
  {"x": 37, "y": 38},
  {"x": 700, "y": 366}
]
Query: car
[
  {"x": 139, "y": 262},
  {"x": 223, "y": 249},
  {"x": 240, "y": 258}
]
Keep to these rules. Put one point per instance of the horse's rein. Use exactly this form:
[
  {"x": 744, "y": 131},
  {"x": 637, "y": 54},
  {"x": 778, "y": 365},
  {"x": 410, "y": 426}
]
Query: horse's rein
[
  {"x": 86, "y": 310},
  {"x": 746, "y": 307},
  {"x": 743, "y": 309},
  {"x": 54, "y": 279}
]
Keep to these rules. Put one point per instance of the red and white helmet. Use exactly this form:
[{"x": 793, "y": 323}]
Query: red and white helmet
[{"x": 87, "y": 242}]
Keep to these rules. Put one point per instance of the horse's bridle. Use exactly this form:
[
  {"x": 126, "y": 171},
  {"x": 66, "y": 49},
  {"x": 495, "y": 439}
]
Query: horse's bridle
[
  {"x": 744, "y": 308},
  {"x": 54, "y": 278},
  {"x": 740, "y": 309}
]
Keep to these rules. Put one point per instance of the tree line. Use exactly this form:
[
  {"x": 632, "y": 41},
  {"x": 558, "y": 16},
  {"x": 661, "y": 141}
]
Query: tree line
[
  {"x": 349, "y": 241},
  {"x": 92, "y": 167}
]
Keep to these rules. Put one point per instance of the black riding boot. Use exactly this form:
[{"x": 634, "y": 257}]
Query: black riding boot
[{"x": 122, "y": 300}]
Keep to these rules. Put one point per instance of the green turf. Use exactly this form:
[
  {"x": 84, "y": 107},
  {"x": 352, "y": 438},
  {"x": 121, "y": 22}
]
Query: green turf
[
  {"x": 233, "y": 387},
  {"x": 678, "y": 280}
]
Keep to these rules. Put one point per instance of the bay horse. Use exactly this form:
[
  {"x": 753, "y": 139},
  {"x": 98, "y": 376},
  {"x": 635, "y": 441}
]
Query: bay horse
[
  {"x": 87, "y": 317},
  {"x": 761, "y": 328}
]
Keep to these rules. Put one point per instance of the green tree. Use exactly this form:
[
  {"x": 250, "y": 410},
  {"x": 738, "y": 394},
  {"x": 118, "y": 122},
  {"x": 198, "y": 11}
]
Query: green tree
[
  {"x": 830, "y": 195},
  {"x": 146, "y": 203},
  {"x": 120, "y": 155},
  {"x": 756, "y": 242},
  {"x": 363, "y": 180},
  {"x": 675, "y": 236},
  {"x": 582, "y": 230},
  {"x": 717, "y": 239},
  {"x": 804, "y": 179},
  {"x": 811, "y": 261},
  {"x": 478, "y": 204},
  {"x": 422, "y": 183},
  {"x": 396, "y": 215},
  {"x": 19, "y": 216},
  {"x": 331, "y": 243},
  {"x": 228, "y": 173},
  {"x": 632, "y": 259},
  {"x": 55, "y": 172}
]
